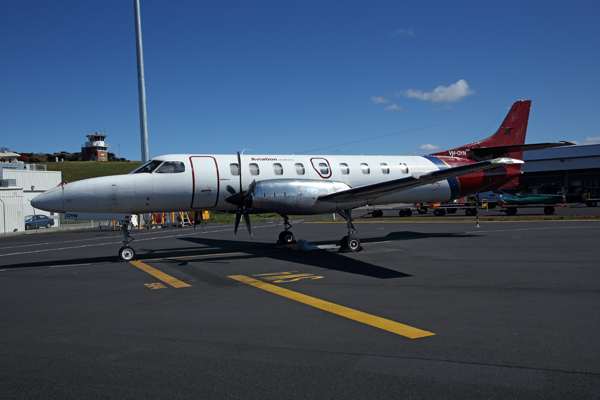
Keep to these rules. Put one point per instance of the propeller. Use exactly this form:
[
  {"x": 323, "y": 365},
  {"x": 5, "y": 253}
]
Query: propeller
[
  {"x": 242, "y": 199},
  {"x": 196, "y": 213}
]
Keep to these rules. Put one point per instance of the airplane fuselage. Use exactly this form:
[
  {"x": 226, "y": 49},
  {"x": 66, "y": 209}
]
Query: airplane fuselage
[{"x": 287, "y": 184}]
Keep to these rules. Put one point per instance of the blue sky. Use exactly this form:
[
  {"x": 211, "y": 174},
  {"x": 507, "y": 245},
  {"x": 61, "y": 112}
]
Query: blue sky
[{"x": 282, "y": 77}]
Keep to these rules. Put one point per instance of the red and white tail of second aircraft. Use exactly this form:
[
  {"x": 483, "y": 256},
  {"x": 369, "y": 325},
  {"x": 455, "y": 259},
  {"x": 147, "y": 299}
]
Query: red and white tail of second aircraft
[{"x": 301, "y": 185}]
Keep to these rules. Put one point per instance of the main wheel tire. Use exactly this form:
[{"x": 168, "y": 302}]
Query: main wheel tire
[
  {"x": 353, "y": 244},
  {"x": 548, "y": 210},
  {"x": 468, "y": 212},
  {"x": 511, "y": 211},
  {"x": 286, "y": 237},
  {"x": 126, "y": 253},
  {"x": 408, "y": 213},
  {"x": 402, "y": 213},
  {"x": 591, "y": 203},
  {"x": 437, "y": 213}
]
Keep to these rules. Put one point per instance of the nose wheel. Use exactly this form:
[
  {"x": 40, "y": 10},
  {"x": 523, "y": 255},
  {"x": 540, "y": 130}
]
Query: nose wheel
[{"x": 126, "y": 253}]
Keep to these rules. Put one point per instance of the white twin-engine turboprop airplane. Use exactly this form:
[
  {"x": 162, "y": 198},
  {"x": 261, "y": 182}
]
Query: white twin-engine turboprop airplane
[{"x": 300, "y": 185}]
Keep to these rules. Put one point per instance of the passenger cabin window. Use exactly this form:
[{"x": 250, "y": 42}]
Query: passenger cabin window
[
  {"x": 344, "y": 168},
  {"x": 384, "y": 168},
  {"x": 324, "y": 168},
  {"x": 235, "y": 169},
  {"x": 171, "y": 167},
  {"x": 254, "y": 170},
  {"x": 278, "y": 168},
  {"x": 299, "y": 169},
  {"x": 404, "y": 168},
  {"x": 148, "y": 167},
  {"x": 365, "y": 168}
]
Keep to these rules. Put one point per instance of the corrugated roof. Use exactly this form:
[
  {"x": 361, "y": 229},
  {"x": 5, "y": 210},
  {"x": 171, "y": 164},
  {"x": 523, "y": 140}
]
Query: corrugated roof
[{"x": 592, "y": 150}]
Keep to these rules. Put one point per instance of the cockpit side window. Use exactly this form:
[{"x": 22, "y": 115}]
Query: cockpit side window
[
  {"x": 148, "y": 167},
  {"x": 171, "y": 167}
]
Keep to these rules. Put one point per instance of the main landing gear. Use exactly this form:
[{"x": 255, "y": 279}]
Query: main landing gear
[
  {"x": 349, "y": 243},
  {"x": 126, "y": 253},
  {"x": 286, "y": 236}
]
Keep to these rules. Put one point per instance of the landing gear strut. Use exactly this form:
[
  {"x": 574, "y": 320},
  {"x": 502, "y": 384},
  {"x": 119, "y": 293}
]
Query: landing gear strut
[
  {"x": 286, "y": 236},
  {"x": 349, "y": 243},
  {"x": 126, "y": 253}
]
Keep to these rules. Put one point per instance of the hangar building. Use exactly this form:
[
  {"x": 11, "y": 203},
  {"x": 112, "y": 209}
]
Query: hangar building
[{"x": 576, "y": 169}]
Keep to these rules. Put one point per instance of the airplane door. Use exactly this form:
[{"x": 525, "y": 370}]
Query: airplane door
[{"x": 205, "y": 176}]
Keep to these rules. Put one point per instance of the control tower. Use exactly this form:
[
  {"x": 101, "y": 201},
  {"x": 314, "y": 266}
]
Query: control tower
[{"x": 95, "y": 149}]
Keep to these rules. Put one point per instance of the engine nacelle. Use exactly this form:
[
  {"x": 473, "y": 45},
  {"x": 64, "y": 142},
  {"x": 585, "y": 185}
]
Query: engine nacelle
[{"x": 293, "y": 196}]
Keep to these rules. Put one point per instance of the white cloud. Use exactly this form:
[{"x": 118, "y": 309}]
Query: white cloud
[
  {"x": 394, "y": 107},
  {"x": 588, "y": 140},
  {"x": 442, "y": 94},
  {"x": 379, "y": 100},
  {"x": 404, "y": 32},
  {"x": 429, "y": 147}
]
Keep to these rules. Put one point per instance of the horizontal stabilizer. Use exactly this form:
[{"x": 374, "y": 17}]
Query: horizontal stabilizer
[
  {"x": 370, "y": 192},
  {"x": 482, "y": 153}
]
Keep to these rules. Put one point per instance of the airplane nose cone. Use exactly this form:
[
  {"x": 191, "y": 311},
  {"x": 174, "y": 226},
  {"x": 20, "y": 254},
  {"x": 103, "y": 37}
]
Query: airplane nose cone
[{"x": 51, "y": 200}]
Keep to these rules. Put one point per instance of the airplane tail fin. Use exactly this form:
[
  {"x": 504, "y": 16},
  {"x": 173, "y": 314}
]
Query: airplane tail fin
[{"x": 508, "y": 141}]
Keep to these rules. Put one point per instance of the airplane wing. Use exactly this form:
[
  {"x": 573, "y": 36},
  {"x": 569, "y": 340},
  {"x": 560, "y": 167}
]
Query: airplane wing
[{"x": 417, "y": 179}]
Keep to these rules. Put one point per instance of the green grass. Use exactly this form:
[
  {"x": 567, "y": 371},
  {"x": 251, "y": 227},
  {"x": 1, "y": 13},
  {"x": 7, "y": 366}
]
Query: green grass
[{"x": 78, "y": 170}]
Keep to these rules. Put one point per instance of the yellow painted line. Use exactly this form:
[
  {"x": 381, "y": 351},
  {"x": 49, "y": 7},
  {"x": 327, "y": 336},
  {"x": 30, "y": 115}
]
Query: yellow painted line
[
  {"x": 70, "y": 265},
  {"x": 176, "y": 283},
  {"x": 377, "y": 322}
]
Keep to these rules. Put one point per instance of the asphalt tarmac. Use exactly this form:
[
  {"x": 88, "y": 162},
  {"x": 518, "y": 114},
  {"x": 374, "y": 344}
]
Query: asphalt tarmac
[{"x": 428, "y": 310}]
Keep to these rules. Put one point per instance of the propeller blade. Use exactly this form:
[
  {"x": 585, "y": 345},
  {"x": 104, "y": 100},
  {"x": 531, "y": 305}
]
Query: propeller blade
[
  {"x": 240, "y": 169},
  {"x": 247, "y": 221},
  {"x": 230, "y": 189},
  {"x": 238, "y": 216}
]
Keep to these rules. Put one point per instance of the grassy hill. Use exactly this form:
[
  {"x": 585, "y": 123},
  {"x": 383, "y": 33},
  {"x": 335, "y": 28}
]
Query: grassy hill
[{"x": 78, "y": 170}]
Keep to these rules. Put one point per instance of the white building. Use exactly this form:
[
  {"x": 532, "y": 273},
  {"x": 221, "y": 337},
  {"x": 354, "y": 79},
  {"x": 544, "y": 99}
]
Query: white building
[{"x": 19, "y": 183}]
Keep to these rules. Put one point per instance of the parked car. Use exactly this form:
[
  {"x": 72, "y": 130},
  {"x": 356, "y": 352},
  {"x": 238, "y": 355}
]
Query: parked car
[{"x": 37, "y": 221}]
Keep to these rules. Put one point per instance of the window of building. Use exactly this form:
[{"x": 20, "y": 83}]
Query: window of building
[
  {"x": 365, "y": 168},
  {"x": 278, "y": 168},
  {"x": 235, "y": 169},
  {"x": 344, "y": 168},
  {"x": 254, "y": 170},
  {"x": 404, "y": 168},
  {"x": 300, "y": 169},
  {"x": 384, "y": 168}
]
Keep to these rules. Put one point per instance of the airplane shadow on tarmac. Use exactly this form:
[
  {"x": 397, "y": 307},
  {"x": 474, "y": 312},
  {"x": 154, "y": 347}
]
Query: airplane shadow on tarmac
[
  {"x": 224, "y": 251},
  {"x": 220, "y": 251}
]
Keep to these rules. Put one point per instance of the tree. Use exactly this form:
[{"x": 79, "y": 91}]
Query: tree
[{"x": 23, "y": 157}]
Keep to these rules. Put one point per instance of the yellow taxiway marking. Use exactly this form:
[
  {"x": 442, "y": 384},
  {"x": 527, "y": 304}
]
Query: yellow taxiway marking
[
  {"x": 176, "y": 283},
  {"x": 377, "y": 322},
  {"x": 156, "y": 285}
]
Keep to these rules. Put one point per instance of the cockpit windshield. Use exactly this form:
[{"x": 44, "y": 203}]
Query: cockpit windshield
[{"x": 148, "y": 167}]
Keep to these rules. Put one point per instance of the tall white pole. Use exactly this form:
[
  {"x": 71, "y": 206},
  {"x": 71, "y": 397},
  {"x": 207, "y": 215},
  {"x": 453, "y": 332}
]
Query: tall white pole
[{"x": 141, "y": 83}]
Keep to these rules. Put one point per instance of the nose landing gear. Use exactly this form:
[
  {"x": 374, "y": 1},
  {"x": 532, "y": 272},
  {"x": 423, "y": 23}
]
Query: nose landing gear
[{"x": 126, "y": 253}]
